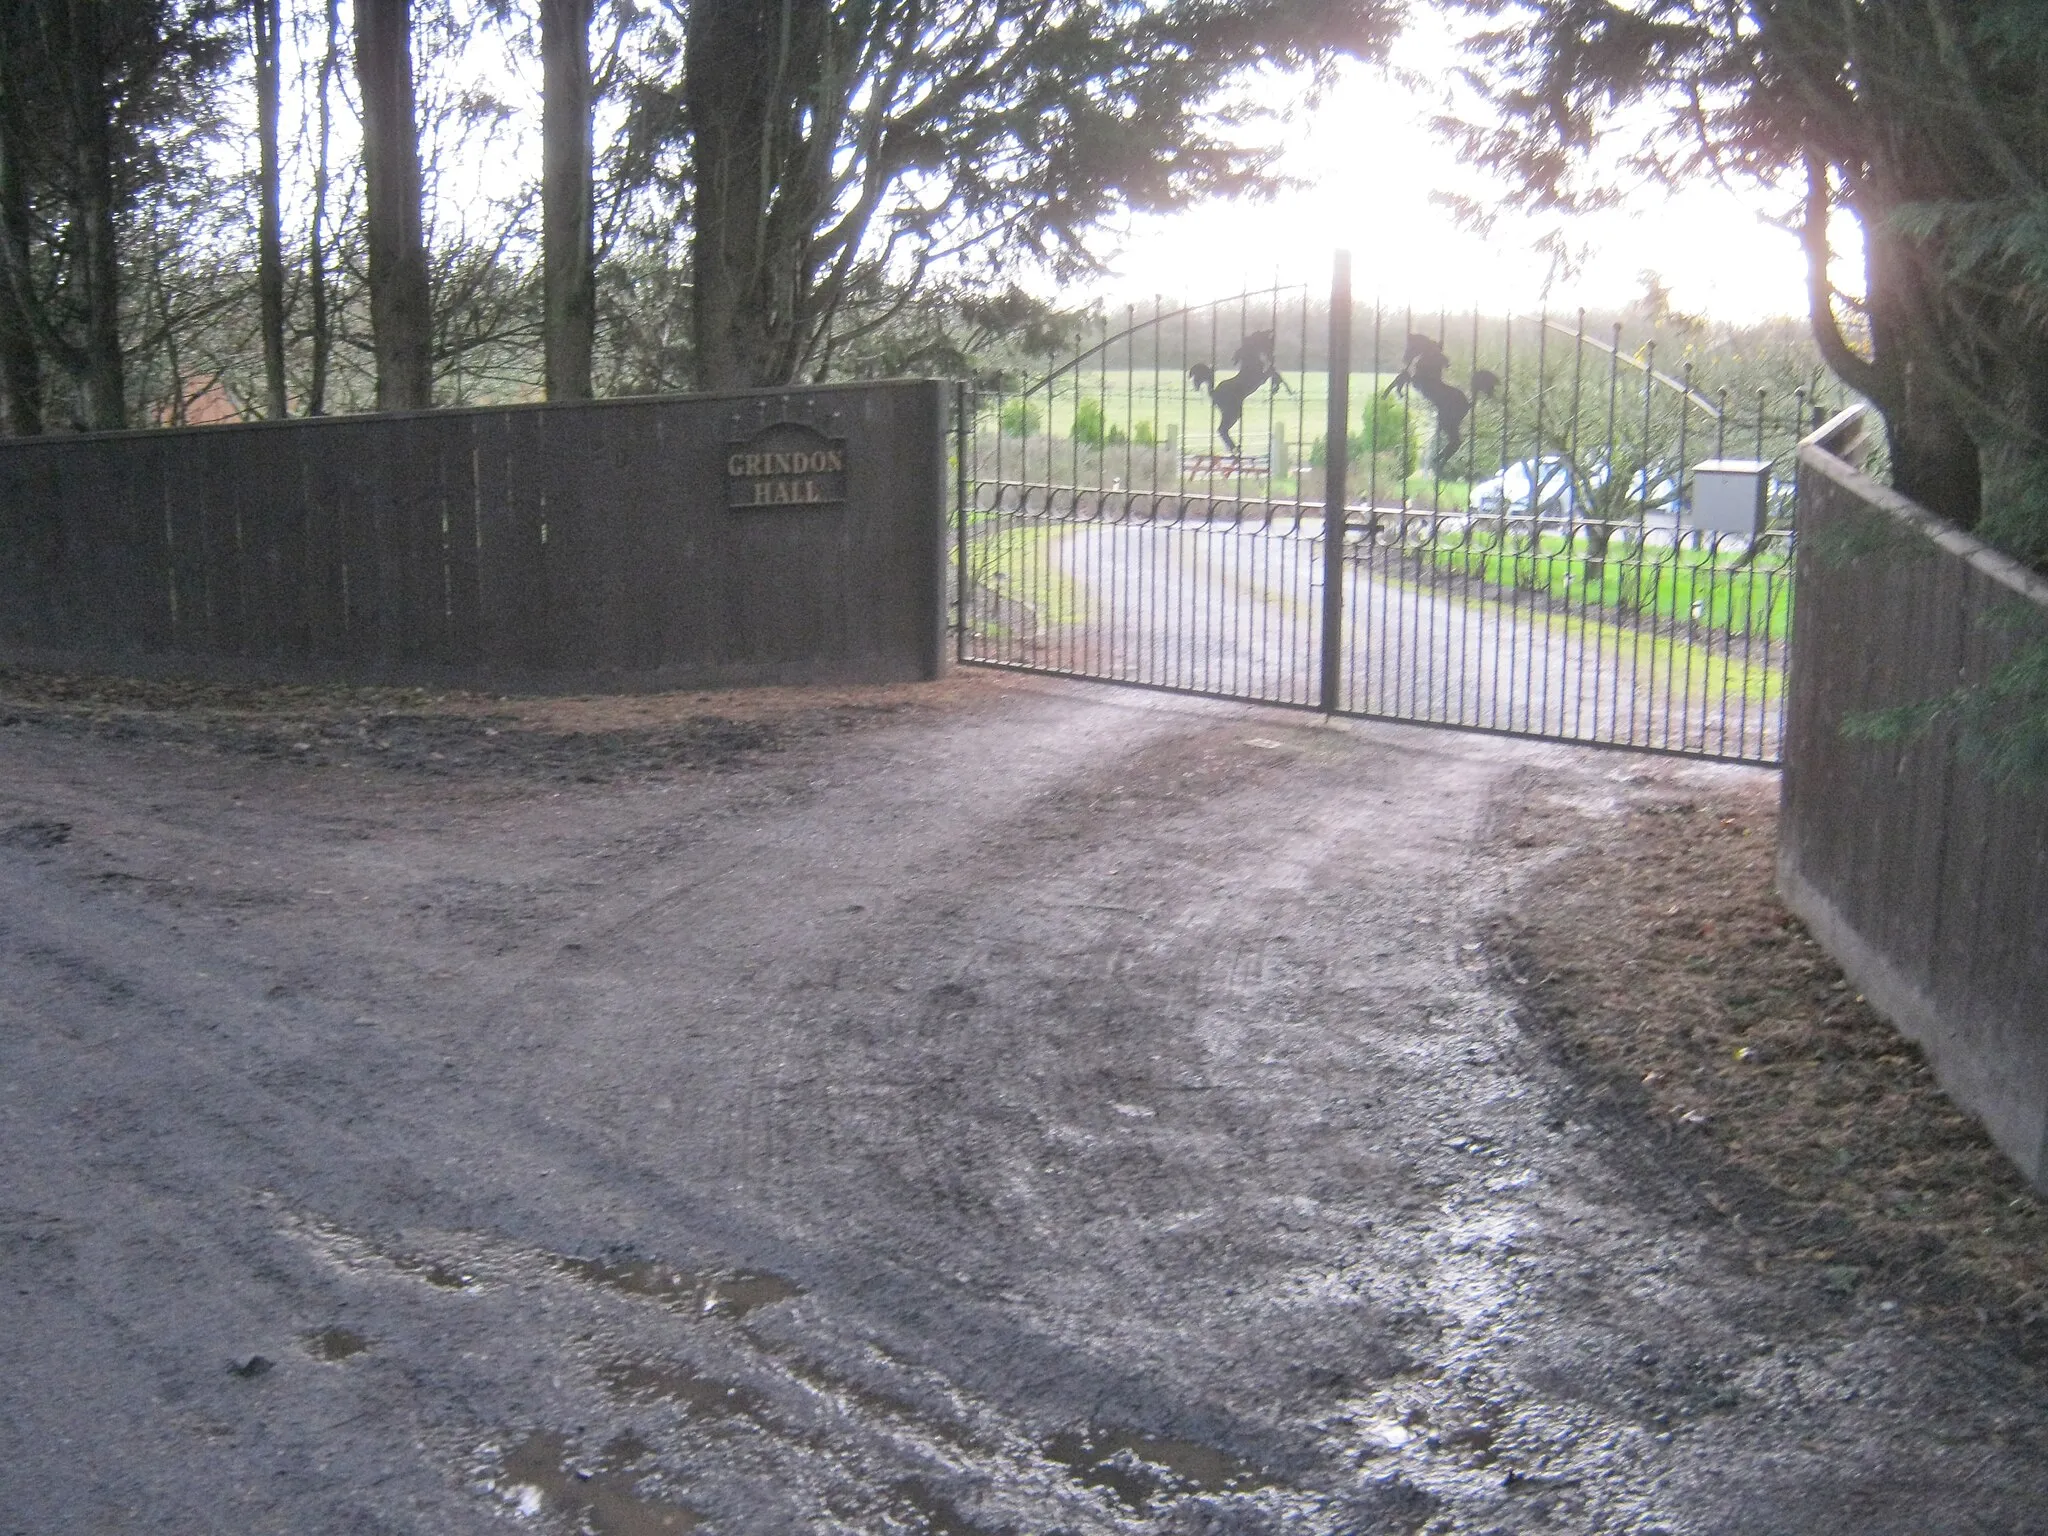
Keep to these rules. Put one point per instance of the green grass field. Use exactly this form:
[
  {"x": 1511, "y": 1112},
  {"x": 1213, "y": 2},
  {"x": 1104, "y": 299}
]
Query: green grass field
[
  {"x": 1719, "y": 593},
  {"x": 1137, "y": 426},
  {"x": 1167, "y": 403},
  {"x": 1020, "y": 560}
]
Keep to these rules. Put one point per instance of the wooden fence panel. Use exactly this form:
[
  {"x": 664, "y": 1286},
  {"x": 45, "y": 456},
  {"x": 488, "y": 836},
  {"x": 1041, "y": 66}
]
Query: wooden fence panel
[
  {"x": 89, "y": 541},
  {"x": 511, "y": 594},
  {"x": 559, "y": 544},
  {"x": 635, "y": 490},
  {"x": 221, "y": 490},
  {"x": 441, "y": 454},
  {"x": 573, "y": 513},
  {"x": 318, "y": 497},
  {"x": 272, "y": 517},
  {"x": 1924, "y": 872},
  {"x": 137, "y": 581},
  {"x": 352, "y": 464},
  {"x": 462, "y": 626},
  {"x": 185, "y": 556}
]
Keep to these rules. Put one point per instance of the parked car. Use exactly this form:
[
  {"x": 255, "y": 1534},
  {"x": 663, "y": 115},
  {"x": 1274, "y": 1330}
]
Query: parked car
[
  {"x": 1653, "y": 502},
  {"x": 1544, "y": 487},
  {"x": 1653, "y": 495}
]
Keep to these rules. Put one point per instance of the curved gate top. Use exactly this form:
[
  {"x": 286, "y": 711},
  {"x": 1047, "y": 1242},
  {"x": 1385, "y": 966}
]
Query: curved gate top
[{"x": 1518, "y": 524}]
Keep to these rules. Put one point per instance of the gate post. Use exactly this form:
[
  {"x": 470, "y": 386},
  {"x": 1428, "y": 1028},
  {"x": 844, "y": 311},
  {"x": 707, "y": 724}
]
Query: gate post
[
  {"x": 1336, "y": 451},
  {"x": 964, "y": 443}
]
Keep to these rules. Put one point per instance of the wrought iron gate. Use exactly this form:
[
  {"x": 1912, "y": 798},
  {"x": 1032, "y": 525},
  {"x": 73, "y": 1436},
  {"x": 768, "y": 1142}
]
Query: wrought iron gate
[{"x": 1493, "y": 525}]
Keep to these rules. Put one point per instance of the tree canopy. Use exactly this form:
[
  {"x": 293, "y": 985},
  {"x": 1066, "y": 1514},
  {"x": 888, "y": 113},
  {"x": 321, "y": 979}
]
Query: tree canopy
[
  {"x": 97, "y": 98},
  {"x": 1924, "y": 121},
  {"x": 845, "y": 149},
  {"x": 303, "y": 205}
]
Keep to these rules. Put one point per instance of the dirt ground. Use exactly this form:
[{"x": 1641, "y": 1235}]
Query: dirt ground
[
  {"x": 1661, "y": 963},
  {"x": 992, "y": 1106}
]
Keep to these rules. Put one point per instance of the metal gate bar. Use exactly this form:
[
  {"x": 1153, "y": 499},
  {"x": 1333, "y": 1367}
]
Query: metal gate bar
[{"x": 1514, "y": 548}]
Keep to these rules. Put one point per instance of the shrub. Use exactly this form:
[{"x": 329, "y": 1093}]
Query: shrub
[
  {"x": 1020, "y": 418},
  {"x": 1385, "y": 426},
  {"x": 1388, "y": 426}
]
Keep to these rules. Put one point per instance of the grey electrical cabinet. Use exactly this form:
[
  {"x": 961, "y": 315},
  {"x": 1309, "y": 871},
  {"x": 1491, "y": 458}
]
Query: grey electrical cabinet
[{"x": 1728, "y": 496}]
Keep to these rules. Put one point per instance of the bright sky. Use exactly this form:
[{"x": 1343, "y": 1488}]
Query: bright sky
[{"x": 1371, "y": 163}]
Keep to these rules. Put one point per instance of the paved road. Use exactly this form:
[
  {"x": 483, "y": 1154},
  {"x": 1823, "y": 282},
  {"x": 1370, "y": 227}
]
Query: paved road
[
  {"x": 1047, "y": 1110},
  {"x": 1235, "y": 609}
]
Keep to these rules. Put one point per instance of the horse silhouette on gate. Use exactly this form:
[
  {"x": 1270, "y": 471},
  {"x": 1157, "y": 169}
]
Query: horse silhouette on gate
[
  {"x": 1423, "y": 362},
  {"x": 1255, "y": 369}
]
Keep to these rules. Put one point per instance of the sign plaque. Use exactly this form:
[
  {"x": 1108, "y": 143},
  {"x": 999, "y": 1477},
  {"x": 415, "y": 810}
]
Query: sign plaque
[{"x": 785, "y": 464}]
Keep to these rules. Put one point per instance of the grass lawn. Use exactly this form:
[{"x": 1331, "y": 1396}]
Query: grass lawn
[
  {"x": 1165, "y": 402},
  {"x": 1708, "y": 589},
  {"x": 1020, "y": 560}
]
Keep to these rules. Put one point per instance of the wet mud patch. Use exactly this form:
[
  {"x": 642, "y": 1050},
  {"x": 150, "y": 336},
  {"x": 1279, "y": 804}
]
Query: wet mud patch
[
  {"x": 335, "y": 1344},
  {"x": 540, "y": 1476},
  {"x": 696, "y": 1293},
  {"x": 873, "y": 1402},
  {"x": 435, "y": 1272},
  {"x": 932, "y": 1511},
  {"x": 1141, "y": 1469},
  {"x": 702, "y": 1396},
  {"x": 353, "y": 1251}
]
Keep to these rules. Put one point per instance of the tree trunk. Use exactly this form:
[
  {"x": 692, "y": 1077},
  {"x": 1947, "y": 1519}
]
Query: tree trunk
[
  {"x": 749, "y": 72},
  {"x": 1934, "y": 457},
  {"x": 2015, "y": 479},
  {"x": 102, "y": 384},
  {"x": 568, "y": 278},
  {"x": 401, "y": 305},
  {"x": 21, "y": 374},
  {"x": 1933, "y": 453},
  {"x": 316, "y": 244},
  {"x": 263, "y": 24}
]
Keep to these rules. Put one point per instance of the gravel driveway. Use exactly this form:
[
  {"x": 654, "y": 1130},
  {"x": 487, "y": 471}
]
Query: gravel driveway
[{"x": 1023, "y": 1108}]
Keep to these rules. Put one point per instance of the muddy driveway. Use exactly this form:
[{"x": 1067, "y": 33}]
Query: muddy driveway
[{"x": 1006, "y": 1107}]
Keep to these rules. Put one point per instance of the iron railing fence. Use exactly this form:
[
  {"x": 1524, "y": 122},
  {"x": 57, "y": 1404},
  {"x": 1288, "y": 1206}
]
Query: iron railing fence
[
  {"x": 1609, "y": 635},
  {"x": 1520, "y": 553}
]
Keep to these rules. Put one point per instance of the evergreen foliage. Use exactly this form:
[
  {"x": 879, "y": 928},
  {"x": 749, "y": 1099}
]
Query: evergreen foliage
[
  {"x": 1924, "y": 122},
  {"x": 772, "y": 190}
]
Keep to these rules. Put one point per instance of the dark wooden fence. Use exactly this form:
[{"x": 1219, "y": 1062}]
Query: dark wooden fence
[
  {"x": 1921, "y": 871},
  {"x": 557, "y": 545}
]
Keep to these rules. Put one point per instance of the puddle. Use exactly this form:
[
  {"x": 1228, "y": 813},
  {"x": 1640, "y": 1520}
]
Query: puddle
[
  {"x": 353, "y": 1251},
  {"x": 335, "y": 1344},
  {"x": 678, "y": 1384},
  {"x": 872, "y": 1400},
  {"x": 434, "y": 1272},
  {"x": 1138, "y": 1468},
  {"x": 737, "y": 1295},
  {"x": 538, "y": 1476},
  {"x": 731, "y": 1294},
  {"x": 938, "y": 1514},
  {"x": 622, "y": 1450}
]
